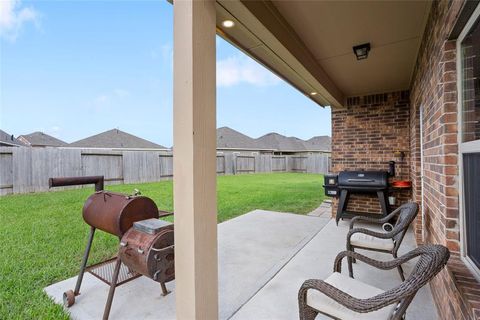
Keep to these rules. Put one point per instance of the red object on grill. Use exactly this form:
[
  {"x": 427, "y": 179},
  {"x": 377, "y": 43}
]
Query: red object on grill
[{"x": 402, "y": 184}]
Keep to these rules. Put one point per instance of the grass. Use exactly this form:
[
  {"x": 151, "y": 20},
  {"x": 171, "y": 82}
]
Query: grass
[{"x": 43, "y": 235}]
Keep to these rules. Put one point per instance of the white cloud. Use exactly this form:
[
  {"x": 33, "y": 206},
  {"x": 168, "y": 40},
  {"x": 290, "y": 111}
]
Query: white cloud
[
  {"x": 108, "y": 98},
  {"x": 120, "y": 93},
  {"x": 241, "y": 69},
  {"x": 54, "y": 130},
  {"x": 13, "y": 16},
  {"x": 101, "y": 100}
]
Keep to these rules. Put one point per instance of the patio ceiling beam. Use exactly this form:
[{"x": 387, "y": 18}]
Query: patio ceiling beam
[{"x": 194, "y": 159}]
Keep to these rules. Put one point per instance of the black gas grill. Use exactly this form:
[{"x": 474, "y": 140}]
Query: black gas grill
[
  {"x": 348, "y": 182},
  {"x": 367, "y": 181}
]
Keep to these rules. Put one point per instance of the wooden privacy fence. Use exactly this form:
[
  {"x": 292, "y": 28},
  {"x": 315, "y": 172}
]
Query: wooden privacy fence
[{"x": 25, "y": 169}]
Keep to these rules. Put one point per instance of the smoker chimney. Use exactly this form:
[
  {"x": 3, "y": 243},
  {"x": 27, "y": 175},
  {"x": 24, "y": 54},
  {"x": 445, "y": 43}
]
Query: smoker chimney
[{"x": 391, "y": 168}]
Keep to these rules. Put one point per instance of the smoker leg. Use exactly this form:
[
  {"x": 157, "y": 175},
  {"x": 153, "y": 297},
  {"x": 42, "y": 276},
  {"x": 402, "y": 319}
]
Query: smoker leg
[
  {"x": 113, "y": 285},
  {"x": 382, "y": 196},
  {"x": 164, "y": 289},
  {"x": 84, "y": 261},
  {"x": 342, "y": 204}
]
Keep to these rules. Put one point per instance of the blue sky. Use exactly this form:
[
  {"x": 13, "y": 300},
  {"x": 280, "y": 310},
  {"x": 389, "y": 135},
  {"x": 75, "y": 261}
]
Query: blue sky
[{"x": 76, "y": 68}]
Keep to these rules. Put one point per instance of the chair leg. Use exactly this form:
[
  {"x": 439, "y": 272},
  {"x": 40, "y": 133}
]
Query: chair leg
[
  {"x": 353, "y": 259},
  {"x": 350, "y": 267},
  {"x": 399, "y": 268},
  {"x": 308, "y": 313},
  {"x": 350, "y": 260},
  {"x": 400, "y": 312}
]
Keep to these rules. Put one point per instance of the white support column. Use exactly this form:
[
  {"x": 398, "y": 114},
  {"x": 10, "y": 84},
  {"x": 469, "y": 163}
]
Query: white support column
[{"x": 194, "y": 160}]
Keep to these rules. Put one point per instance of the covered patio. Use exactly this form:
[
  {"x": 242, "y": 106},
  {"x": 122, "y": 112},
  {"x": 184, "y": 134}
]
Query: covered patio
[
  {"x": 309, "y": 44},
  {"x": 396, "y": 99},
  {"x": 264, "y": 257}
]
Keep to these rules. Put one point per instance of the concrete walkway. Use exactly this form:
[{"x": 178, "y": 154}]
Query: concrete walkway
[
  {"x": 252, "y": 249},
  {"x": 278, "y": 298}
]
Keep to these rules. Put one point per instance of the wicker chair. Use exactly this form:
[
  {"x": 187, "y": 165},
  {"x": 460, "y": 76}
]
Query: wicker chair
[
  {"x": 341, "y": 297},
  {"x": 388, "y": 242}
]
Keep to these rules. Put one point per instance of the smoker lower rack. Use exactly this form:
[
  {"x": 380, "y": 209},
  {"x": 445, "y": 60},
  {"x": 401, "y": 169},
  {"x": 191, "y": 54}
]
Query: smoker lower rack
[{"x": 105, "y": 270}]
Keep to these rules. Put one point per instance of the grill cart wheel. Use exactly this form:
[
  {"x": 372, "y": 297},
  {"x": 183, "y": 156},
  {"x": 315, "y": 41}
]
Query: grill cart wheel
[{"x": 68, "y": 298}]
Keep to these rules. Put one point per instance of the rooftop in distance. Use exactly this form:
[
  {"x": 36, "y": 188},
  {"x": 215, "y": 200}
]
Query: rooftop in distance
[{"x": 228, "y": 138}]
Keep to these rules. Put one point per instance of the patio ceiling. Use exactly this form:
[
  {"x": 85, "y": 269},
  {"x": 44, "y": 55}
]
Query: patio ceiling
[{"x": 309, "y": 43}]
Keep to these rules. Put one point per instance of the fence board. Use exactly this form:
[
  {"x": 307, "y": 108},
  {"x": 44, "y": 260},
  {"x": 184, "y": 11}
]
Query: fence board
[
  {"x": 140, "y": 166},
  {"x": 245, "y": 164},
  {"x": 299, "y": 164},
  {"x": 51, "y": 163},
  {"x": 108, "y": 164},
  {"x": 166, "y": 166},
  {"x": 22, "y": 170},
  {"x": 220, "y": 164},
  {"x": 25, "y": 169},
  {"x": 6, "y": 171},
  {"x": 279, "y": 163}
]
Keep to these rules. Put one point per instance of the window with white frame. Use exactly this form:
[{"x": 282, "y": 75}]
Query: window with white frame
[{"x": 468, "y": 50}]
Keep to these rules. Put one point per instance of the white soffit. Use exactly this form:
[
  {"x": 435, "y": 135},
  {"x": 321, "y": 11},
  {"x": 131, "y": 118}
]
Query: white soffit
[
  {"x": 251, "y": 36},
  {"x": 309, "y": 43},
  {"x": 329, "y": 29}
]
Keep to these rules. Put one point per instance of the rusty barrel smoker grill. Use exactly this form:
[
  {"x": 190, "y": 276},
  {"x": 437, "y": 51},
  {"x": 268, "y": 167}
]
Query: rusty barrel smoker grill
[{"x": 146, "y": 245}]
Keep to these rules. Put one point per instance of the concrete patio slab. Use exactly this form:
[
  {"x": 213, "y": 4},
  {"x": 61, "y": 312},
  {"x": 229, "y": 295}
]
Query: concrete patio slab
[
  {"x": 253, "y": 248},
  {"x": 324, "y": 209},
  {"x": 278, "y": 298}
]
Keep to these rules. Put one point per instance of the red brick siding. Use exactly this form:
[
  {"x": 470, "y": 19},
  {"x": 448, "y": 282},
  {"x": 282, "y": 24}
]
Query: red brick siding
[
  {"x": 434, "y": 87},
  {"x": 365, "y": 136}
]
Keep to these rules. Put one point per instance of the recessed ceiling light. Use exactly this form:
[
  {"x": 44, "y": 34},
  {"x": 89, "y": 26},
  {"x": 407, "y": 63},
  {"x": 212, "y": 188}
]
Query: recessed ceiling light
[
  {"x": 313, "y": 93},
  {"x": 228, "y": 23}
]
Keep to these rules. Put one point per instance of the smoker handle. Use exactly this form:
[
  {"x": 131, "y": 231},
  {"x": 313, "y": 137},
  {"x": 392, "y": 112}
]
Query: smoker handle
[
  {"x": 361, "y": 180},
  {"x": 76, "y": 181},
  {"x": 162, "y": 213}
]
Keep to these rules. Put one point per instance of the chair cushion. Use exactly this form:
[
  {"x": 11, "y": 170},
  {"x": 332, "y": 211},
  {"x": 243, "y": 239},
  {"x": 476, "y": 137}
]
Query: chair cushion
[
  {"x": 367, "y": 241},
  {"x": 353, "y": 287}
]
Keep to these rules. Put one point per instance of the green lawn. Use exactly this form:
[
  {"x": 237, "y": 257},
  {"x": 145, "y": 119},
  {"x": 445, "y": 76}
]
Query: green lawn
[{"x": 43, "y": 235}]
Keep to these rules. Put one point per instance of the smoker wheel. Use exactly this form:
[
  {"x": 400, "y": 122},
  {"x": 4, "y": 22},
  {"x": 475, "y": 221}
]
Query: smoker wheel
[{"x": 68, "y": 298}]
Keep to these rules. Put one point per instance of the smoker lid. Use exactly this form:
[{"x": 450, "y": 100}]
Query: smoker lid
[
  {"x": 363, "y": 179},
  {"x": 150, "y": 226}
]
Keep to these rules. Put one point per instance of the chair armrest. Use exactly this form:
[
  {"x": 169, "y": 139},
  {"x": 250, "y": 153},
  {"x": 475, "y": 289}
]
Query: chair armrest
[
  {"x": 352, "y": 303},
  {"x": 383, "y": 265},
  {"x": 380, "y": 235},
  {"x": 374, "y": 220}
]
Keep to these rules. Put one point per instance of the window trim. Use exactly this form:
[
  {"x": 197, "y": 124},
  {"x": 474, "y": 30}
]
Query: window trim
[{"x": 464, "y": 147}]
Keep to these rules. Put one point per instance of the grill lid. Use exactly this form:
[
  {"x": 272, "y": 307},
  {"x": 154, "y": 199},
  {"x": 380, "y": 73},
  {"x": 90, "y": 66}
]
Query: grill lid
[{"x": 363, "y": 180}]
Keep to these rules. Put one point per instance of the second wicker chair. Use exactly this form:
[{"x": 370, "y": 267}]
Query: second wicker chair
[{"x": 388, "y": 242}]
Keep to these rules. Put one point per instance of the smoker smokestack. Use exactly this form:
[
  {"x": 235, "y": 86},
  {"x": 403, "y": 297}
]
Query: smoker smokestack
[{"x": 391, "y": 168}]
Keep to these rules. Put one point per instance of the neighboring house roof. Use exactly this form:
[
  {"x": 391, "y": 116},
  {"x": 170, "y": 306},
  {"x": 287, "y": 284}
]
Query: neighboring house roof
[
  {"x": 115, "y": 139},
  {"x": 40, "y": 139},
  {"x": 323, "y": 143},
  {"x": 9, "y": 140},
  {"x": 228, "y": 138},
  {"x": 280, "y": 142}
]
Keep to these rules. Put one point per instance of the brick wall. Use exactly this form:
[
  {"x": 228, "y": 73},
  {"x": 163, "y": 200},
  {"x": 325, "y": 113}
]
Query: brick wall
[
  {"x": 434, "y": 87},
  {"x": 366, "y": 135}
]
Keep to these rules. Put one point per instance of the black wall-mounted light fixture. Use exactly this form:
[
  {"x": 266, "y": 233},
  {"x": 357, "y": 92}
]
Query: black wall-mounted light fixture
[{"x": 361, "y": 51}]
